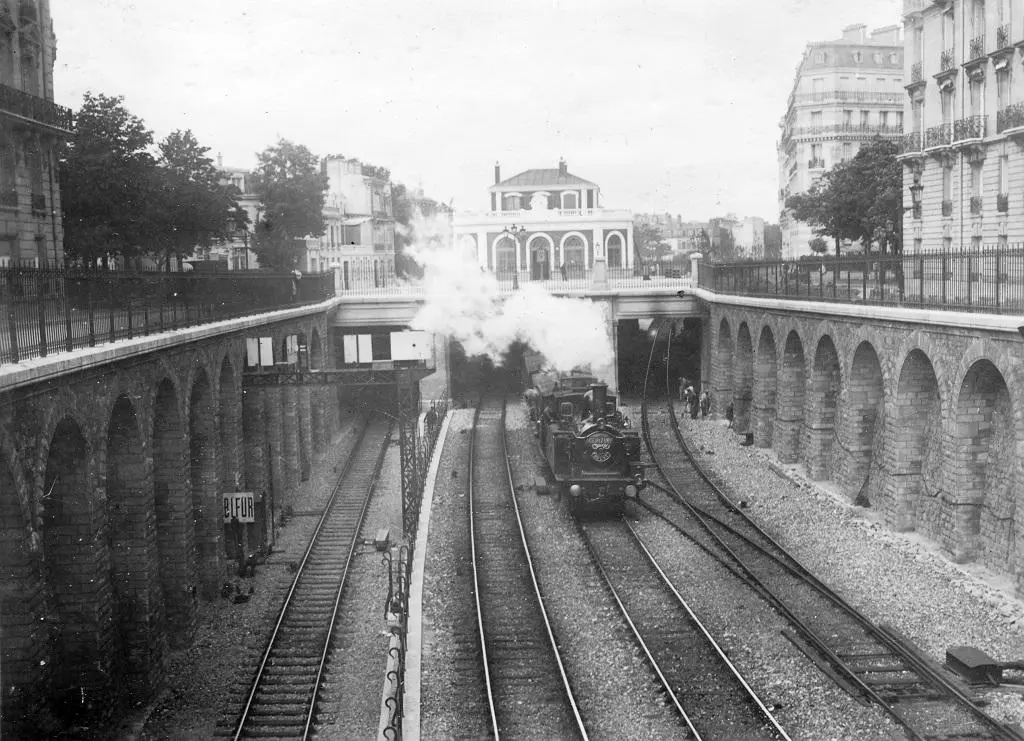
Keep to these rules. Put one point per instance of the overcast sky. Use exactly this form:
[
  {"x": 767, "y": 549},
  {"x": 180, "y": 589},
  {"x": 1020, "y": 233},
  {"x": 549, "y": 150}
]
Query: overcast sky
[{"x": 669, "y": 105}]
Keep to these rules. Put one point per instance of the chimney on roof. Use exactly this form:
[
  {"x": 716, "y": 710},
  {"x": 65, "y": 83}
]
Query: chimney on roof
[
  {"x": 855, "y": 34},
  {"x": 563, "y": 168},
  {"x": 497, "y": 173},
  {"x": 886, "y": 35}
]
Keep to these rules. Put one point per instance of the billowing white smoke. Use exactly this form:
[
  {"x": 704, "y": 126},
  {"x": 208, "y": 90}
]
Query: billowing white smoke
[{"x": 464, "y": 302}]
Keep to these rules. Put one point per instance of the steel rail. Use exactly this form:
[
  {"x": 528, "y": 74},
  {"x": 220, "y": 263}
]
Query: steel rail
[{"x": 268, "y": 650}]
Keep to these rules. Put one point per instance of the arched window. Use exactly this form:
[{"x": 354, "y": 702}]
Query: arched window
[
  {"x": 614, "y": 246},
  {"x": 575, "y": 253},
  {"x": 506, "y": 256}
]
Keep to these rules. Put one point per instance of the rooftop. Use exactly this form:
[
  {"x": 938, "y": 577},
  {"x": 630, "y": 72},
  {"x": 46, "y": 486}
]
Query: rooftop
[{"x": 542, "y": 178}]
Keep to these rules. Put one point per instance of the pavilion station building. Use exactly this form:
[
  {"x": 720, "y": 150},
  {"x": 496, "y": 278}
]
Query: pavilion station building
[{"x": 546, "y": 224}]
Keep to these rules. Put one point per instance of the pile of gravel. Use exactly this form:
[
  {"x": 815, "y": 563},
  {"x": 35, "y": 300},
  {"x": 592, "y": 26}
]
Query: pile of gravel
[{"x": 899, "y": 579}]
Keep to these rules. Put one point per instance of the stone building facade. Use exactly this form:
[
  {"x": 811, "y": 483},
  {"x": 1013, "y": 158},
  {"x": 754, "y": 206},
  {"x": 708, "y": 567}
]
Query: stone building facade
[
  {"x": 31, "y": 126},
  {"x": 922, "y": 422},
  {"x": 558, "y": 220},
  {"x": 845, "y": 93},
  {"x": 963, "y": 167}
]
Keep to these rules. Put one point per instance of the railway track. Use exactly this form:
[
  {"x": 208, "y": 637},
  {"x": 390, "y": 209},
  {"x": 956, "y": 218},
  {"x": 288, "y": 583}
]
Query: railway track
[
  {"x": 874, "y": 663},
  {"x": 705, "y": 687},
  {"x": 282, "y": 700},
  {"x": 527, "y": 688}
]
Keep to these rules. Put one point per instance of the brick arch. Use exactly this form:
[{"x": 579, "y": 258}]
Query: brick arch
[
  {"x": 766, "y": 375},
  {"x": 722, "y": 367},
  {"x": 77, "y": 565},
  {"x": 175, "y": 533},
  {"x": 138, "y": 609},
  {"x": 789, "y": 413},
  {"x": 923, "y": 343},
  {"x": 743, "y": 378},
  {"x": 912, "y": 498},
  {"x": 203, "y": 477},
  {"x": 820, "y": 408},
  {"x": 861, "y": 424},
  {"x": 985, "y": 469}
]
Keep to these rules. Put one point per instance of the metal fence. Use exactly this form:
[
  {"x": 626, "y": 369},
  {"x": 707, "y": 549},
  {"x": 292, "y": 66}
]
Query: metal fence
[
  {"x": 48, "y": 310},
  {"x": 986, "y": 279},
  {"x": 365, "y": 281}
]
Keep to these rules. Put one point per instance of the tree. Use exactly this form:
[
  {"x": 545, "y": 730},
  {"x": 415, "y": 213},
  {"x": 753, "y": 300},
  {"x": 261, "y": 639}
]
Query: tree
[
  {"x": 291, "y": 188},
  {"x": 105, "y": 174},
  {"x": 190, "y": 206},
  {"x": 648, "y": 243},
  {"x": 861, "y": 199},
  {"x": 818, "y": 245}
]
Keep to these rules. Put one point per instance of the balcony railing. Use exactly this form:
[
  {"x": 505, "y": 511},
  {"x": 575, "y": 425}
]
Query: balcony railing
[
  {"x": 815, "y": 163},
  {"x": 988, "y": 280},
  {"x": 976, "y": 205},
  {"x": 913, "y": 141},
  {"x": 33, "y": 108},
  {"x": 976, "y": 48},
  {"x": 938, "y": 136},
  {"x": 1003, "y": 36},
  {"x": 1003, "y": 203},
  {"x": 947, "y": 208},
  {"x": 849, "y": 96},
  {"x": 844, "y": 128},
  {"x": 972, "y": 127},
  {"x": 1010, "y": 117},
  {"x": 915, "y": 72},
  {"x": 51, "y": 310},
  {"x": 946, "y": 61}
]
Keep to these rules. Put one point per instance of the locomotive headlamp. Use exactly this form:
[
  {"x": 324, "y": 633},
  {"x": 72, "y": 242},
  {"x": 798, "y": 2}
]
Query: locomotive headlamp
[
  {"x": 630, "y": 490},
  {"x": 575, "y": 490}
]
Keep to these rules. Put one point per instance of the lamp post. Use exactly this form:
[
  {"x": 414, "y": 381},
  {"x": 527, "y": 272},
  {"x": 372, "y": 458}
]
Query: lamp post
[{"x": 515, "y": 232}]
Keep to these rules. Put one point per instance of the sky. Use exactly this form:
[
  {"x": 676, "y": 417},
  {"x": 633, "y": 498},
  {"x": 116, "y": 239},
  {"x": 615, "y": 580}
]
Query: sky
[{"x": 668, "y": 105}]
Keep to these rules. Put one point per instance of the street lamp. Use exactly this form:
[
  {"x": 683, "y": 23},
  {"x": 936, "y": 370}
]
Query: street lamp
[{"x": 515, "y": 232}]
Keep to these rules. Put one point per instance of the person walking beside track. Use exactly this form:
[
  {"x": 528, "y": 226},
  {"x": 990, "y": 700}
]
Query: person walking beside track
[{"x": 705, "y": 403}]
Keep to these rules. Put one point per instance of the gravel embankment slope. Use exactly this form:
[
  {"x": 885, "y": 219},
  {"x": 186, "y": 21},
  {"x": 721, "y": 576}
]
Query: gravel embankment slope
[{"x": 898, "y": 579}]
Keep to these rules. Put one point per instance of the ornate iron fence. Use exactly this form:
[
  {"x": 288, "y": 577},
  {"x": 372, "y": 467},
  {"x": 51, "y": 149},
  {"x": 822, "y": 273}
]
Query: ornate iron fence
[
  {"x": 48, "y": 310},
  {"x": 988, "y": 279}
]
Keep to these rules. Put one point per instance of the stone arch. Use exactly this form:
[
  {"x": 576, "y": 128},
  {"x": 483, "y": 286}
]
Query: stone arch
[
  {"x": 820, "y": 409},
  {"x": 204, "y": 478},
  {"x": 743, "y": 379},
  {"x": 572, "y": 251},
  {"x": 138, "y": 609},
  {"x": 914, "y": 449},
  {"x": 77, "y": 567},
  {"x": 723, "y": 368},
  {"x": 172, "y": 507},
  {"x": 766, "y": 375},
  {"x": 22, "y": 655},
  {"x": 789, "y": 414},
  {"x": 861, "y": 425},
  {"x": 984, "y": 470},
  {"x": 504, "y": 249}
]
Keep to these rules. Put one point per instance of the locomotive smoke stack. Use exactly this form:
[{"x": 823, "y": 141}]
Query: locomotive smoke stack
[{"x": 600, "y": 393}]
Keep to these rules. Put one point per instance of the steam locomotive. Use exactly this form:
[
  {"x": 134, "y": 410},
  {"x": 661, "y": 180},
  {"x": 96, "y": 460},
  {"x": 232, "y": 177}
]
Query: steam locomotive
[{"x": 593, "y": 454}]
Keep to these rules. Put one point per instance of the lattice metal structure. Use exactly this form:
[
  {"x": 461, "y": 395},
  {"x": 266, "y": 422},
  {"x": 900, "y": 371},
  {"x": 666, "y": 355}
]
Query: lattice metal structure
[{"x": 412, "y": 483}]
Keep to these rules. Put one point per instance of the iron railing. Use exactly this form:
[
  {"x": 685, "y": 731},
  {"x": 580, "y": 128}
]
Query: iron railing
[
  {"x": 913, "y": 141},
  {"x": 1003, "y": 203},
  {"x": 32, "y": 107},
  {"x": 47, "y": 310},
  {"x": 976, "y": 205},
  {"x": 976, "y": 48},
  {"x": 987, "y": 279},
  {"x": 939, "y": 135},
  {"x": 576, "y": 279},
  {"x": 947, "y": 208},
  {"x": 1010, "y": 117},
  {"x": 1003, "y": 36},
  {"x": 946, "y": 60},
  {"x": 816, "y": 163},
  {"x": 915, "y": 72},
  {"x": 971, "y": 127}
]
